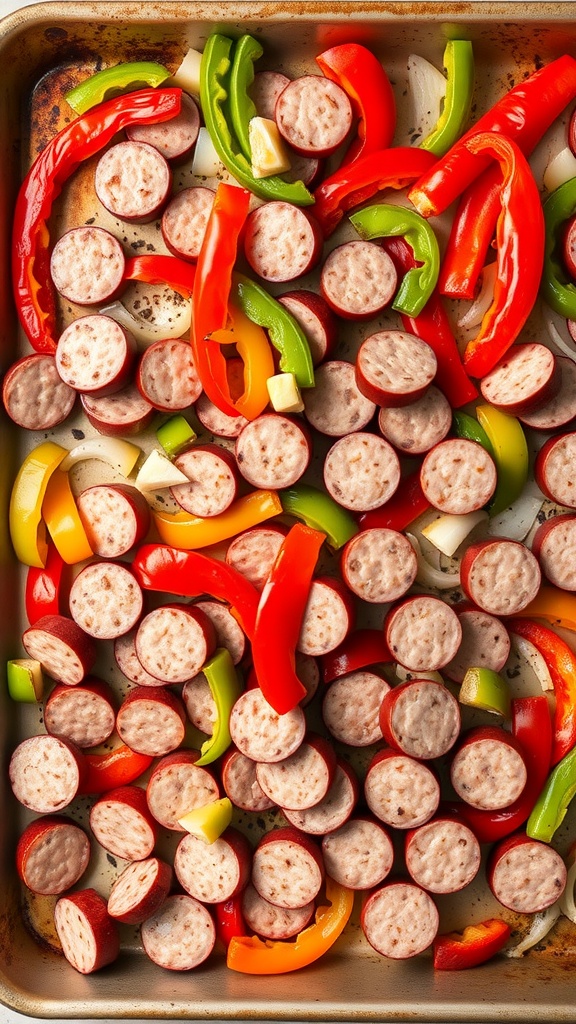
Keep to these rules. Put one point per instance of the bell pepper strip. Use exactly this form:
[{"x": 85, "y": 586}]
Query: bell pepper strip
[
  {"x": 361, "y": 75},
  {"x": 456, "y": 951},
  {"x": 215, "y": 97},
  {"x": 25, "y": 680},
  {"x": 168, "y": 570},
  {"x": 557, "y": 607},
  {"x": 510, "y": 454},
  {"x": 558, "y": 289},
  {"x": 208, "y": 821},
  {"x": 175, "y": 434},
  {"x": 279, "y": 619},
  {"x": 229, "y": 919},
  {"x": 552, "y": 804},
  {"x": 225, "y": 687},
  {"x": 192, "y": 532},
  {"x": 400, "y": 510},
  {"x": 27, "y": 527},
  {"x": 467, "y": 427},
  {"x": 120, "y": 78},
  {"x": 433, "y": 326},
  {"x": 154, "y": 268},
  {"x": 252, "y": 955},
  {"x": 384, "y": 221},
  {"x": 470, "y": 236},
  {"x": 63, "y": 522},
  {"x": 258, "y": 362},
  {"x": 561, "y": 664},
  {"x": 459, "y": 66},
  {"x": 42, "y": 592},
  {"x": 284, "y": 331},
  {"x": 241, "y": 106},
  {"x": 117, "y": 767},
  {"x": 361, "y": 648},
  {"x": 319, "y": 511},
  {"x": 78, "y": 141},
  {"x": 483, "y": 688},
  {"x": 522, "y": 114},
  {"x": 354, "y": 184}
]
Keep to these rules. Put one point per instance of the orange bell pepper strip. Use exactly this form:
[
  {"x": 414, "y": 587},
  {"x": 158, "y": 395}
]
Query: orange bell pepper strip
[
  {"x": 250, "y": 955},
  {"x": 63, "y": 522},
  {"x": 182, "y": 530},
  {"x": 254, "y": 349},
  {"x": 555, "y": 606}
]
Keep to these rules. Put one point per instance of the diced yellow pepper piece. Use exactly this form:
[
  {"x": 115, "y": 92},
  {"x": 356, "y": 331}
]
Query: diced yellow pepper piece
[
  {"x": 209, "y": 821},
  {"x": 267, "y": 150}
]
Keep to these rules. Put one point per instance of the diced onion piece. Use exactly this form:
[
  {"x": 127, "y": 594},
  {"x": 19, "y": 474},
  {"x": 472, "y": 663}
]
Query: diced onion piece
[
  {"x": 541, "y": 924},
  {"x": 209, "y": 821},
  {"x": 268, "y": 152},
  {"x": 187, "y": 76},
  {"x": 427, "y": 89},
  {"x": 567, "y": 902},
  {"x": 561, "y": 168},
  {"x": 427, "y": 575},
  {"x": 532, "y": 655},
  {"x": 564, "y": 345},
  {"x": 177, "y": 322},
  {"x": 448, "y": 532},
  {"x": 474, "y": 315},
  {"x": 403, "y": 674},
  {"x": 158, "y": 472},
  {"x": 516, "y": 521},
  {"x": 284, "y": 393},
  {"x": 206, "y": 163},
  {"x": 119, "y": 454}
]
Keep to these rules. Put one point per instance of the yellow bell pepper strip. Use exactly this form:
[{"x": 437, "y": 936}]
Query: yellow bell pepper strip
[
  {"x": 182, "y": 530},
  {"x": 250, "y": 955},
  {"x": 254, "y": 349},
  {"x": 557, "y": 607},
  {"x": 175, "y": 434},
  {"x": 510, "y": 453},
  {"x": 209, "y": 821},
  {"x": 27, "y": 528},
  {"x": 319, "y": 511},
  {"x": 459, "y": 66},
  {"x": 60, "y": 513},
  {"x": 551, "y": 806},
  {"x": 483, "y": 688},
  {"x": 225, "y": 687},
  {"x": 25, "y": 680},
  {"x": 120, "y": 78},
  {"x": 285, "y": 332},
  {"x": 456, "y": 951}
]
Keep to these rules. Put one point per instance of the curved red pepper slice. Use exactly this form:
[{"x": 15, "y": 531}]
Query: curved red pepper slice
[
  {"x": 42, "y": 591},
  {"x": 400, "y": 510},
  {"x": 457, "y": 951},
  {"x": 361, "y": 648},
  {"x": 155, "y": 268},
  {"x": 118, "y": 767},
  {"x": 229, "y": 919}
]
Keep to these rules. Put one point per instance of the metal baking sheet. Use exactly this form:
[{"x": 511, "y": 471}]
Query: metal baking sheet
[{"x": 43, "y": 49}]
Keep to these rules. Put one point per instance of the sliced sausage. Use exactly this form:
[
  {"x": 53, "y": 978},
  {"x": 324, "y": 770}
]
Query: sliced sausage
[
  {"x": 46, "y": 773},
  {"x": 217, "y": 422},
  {"x": 282, "y": 241},
  {"x": 34, "y": 394},
  {"x": 128, "y": 662},
  {"x": 401, "y": 791},
  {"x": 359, "y": 854},
  {"x": 178, "y": 785},
  {"x": 485, "y": 644},
  {"x": 152, "y": 721},
  {"x": 554, "y": 469},
  {"x": 314, "y": 115},
  {"x": 287, "y": 868},
  {"x": 166, "y": 376},
  {"x": 423, "y": 633},
  {"x": 84, "y": 714},
  {"x": 241, "y": 784},
  {"x": 273, "y": 451},
  {"x": 122, "y": 823},
  {"x": 525, "y": 875},
  {"x": 132, "y": 181},
  {"x": 64, "y": 650},
  {"x": 351, "y": 708},
  {"x": 52, "y": 854},
  {"x": 358, "y": 280},
  {"x": 442, "y": 856},
  {"x": 301, "y": 780},
  {"x": 394, "y": 368},
  {"x": 173, "y": 642},
  {"x": 273, "y": 922},
  {"x": 554, "y": 545},
  {"x": 265, "y": 90},
  {"x": 361, "y": 471},
  {"x": 95, "y": 355},
  {"x": 88, "y": 935},
  {"x": 87, "y": 265},
  {"x": 106, "y": 600},
  {"x": 560, "y": 410},
  {"x": 420, "y": 718},
  {"x": 254, "y": 552},
  {"x": 400, "y": 920},
  {"x": 458, "y": 476},
  {"x": 501, "y": 576},
  {"x": 180, "y": 935},
  {"x": 213, "y": 872},
  {"x": 316, "y": 319},
  {"x": 174, "y": 139},
  {"x": 115, "y": 517},
  {"x": 525, "y": 379},
  {"x": 309, "y": 675},
  {"x": 199, "y": 702},
  {"x": 334, "y": 809},
  {"x": 122, "y": 414},
  {"x": 328, "y": 617},
  {"x": 379, "y": 565},
  {"x": 416, "y": 428},
  {"x": 261, "y": 733},
  {"x": 335, "y": 406},
  {"x": 213, "y": 476},
  {"x": 184, "y": 221},
  {"x": 488, "y": 769},
  {"x": 140, "y": 890}
]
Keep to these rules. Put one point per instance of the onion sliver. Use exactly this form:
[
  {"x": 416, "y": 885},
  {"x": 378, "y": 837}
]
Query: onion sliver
[
  {"x": 516, "y": 521},
  {"x": 532, "y": 655},
  {"x": 176, "y": 325},
  {"x": 448, "y": 532},
  {"x": 560, "y": 168},
  {"x": 428, "y": 575},
  {"x": 427, "y": 89},
  {"x": 119, "y": 454},
  {"x": 474, "y": 315},
  {"x": 567, "y": 902},
  {"x": 541, "y": 924},
  {"x": 565, "y": 346}
]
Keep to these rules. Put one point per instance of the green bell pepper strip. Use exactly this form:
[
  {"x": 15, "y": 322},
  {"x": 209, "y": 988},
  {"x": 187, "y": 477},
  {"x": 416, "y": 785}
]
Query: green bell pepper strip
[
  {"x": 25, "y": 680},
  {"x": 386, "y": 221},
  {"x": 319, "y": 511},
  {"x": 121, "y": 78},
  {"x": 510, "y": 455},
  {"x": 467, "y": 427},
  {"x": 214, "y": 97},
  {"x": 551, "y": 806},
  {"x": 558, "y": 291},
  {"x": 225, "y": 688},
  {"x": 175, "y": 434},
  {"x": 483, "y": 688},
  {"x": 242, "y": 108},
  {"x": 459, "y": 65},
  {"x": 285, "y": 332}
]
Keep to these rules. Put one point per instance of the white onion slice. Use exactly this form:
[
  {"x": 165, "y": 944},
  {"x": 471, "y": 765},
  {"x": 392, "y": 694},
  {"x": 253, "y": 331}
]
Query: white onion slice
[
  {"x": 206, "y": 163},
  {"x": 567, "y": 902},
  {"x": 448, "y": 532},
  {"x": 560, "y": 168},
  {"x": 145, "y": 333},
  {"x": 119, "y": 454},
  {"x": 158, "y": 472},
  {"x": 474, "y": 315},
  {"x": 187, "y": 76},
  {"x": 403, "y": 674},
  {"x": 526, "y": 649},
  {"x": 541, "y": 924},
  {"x": 427, "y": 575},
  {"x": 565, "y": 346},
  {"x": 426, "y": 90},
  {"x": 516, "y": 521}
]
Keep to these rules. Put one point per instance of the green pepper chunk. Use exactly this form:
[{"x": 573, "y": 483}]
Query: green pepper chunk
[
  {"x": 459, "y": 65},
  {"x": 383, "y": 220},
  {"x": 121, "y": 78},
  {"x": 214, "y": 97},
  {"x": 175, "y": 434},
  {"x": 467, "y": 427},
  {"x": 285, "y": 332},
  {"x": 25, "y": 680},
  {"x": 225, "y": 688},
  {"x": 483, "y": 688},
  {"x": 558, "y": 291},
  {"x": 242, "y": 107},
  {"x": 319, "y": 511},
  {"x": 551, "y": 806}
]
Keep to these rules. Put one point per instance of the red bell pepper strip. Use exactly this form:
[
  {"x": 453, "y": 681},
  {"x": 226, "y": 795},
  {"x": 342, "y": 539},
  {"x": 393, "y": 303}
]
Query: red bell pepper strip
[
  {"x": 43, "y": 587},
  {"x": 520, "y": 237},
  {"x": 352, "y": 185},
  {"x": 211, "y": 293},
  {"x": 456, "y": 951},
  {"x": 229, "y": 919},
  {"x": 561, "y": 664},
  {"x": 279, "y": 619},
  {"x": 118, "y": 767},
  {"x": 400, "y": 510},
  {"x": 472, "y": 232},
  {"x": 433, "y": 326},
  {"x": 154, "y": 268},
  {"x": 78, "y": 141},
  {"x": 361, "y": 75},
  {"x": 523, "y": 114},
  {"x": 169, "y": 570},
  {"x": 361, "y": 648}
]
